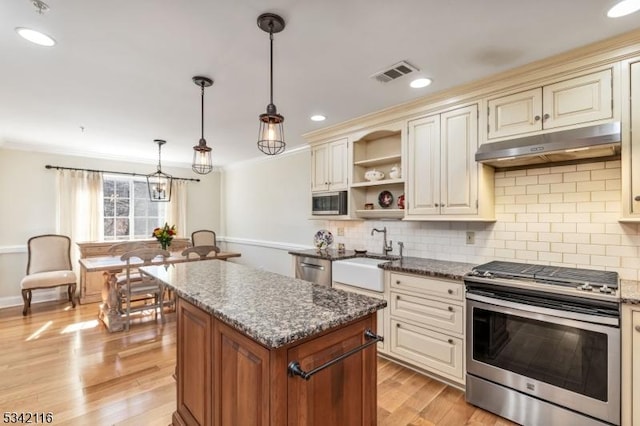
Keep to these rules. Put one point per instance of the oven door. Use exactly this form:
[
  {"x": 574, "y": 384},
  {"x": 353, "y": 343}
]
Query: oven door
[{"x": 574, "y": 363}]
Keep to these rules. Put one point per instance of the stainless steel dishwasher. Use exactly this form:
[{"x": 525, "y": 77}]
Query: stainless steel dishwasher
[{"x": 313, "y": 269}]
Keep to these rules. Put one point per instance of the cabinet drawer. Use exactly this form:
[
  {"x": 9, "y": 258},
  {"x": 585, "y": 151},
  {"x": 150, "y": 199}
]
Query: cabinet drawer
[
  {"x": 432, "y": 313},
  {"x": 428, "y": 349},
  {"x": 447, "y": 289}
]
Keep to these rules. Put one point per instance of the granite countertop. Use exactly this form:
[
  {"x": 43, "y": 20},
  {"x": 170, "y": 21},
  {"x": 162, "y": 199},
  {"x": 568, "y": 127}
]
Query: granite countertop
[
  {"x": 429, "y": 267},
  {"x": 273, "y": 309},
  {"x": 630, "y": 291},
  {"x": 330, "y": 254}
]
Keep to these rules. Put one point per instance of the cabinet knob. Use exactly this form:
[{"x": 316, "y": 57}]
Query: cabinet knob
[
  {"x": 397, "y": 297},
  {"x": 450, "y": 308},
  {"x": 450, "y": 291},
  {"x": 546, "y": 117},
  {"x": 450, "y": 341},
  {"x": 536, "y": 118},
  {"x": 637, "y": 198},
  {"x": 638, "y": 328},
  {"x": 443, "y": 205},
  {"x": 397, "y": 281},
  {"x": 397, "y": 325},
  {"x": 436, "y": 204}
]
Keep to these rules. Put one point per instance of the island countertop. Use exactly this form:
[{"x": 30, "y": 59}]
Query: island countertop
[{"x": 273, "y": 309}]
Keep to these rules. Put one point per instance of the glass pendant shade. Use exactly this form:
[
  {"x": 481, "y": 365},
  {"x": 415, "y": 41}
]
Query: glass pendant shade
[
  {"x": 271, "y": 134},
  {"x": 159, "y": 183},
  {"x": 202, "y": 162}
]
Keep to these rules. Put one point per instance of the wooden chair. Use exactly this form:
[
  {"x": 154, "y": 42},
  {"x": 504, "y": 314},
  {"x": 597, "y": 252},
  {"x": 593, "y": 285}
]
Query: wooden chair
[
  {"x": 119, "y": 249},
  {"x": 145, "y": 288},
  {"x": 202, "y": 251},
  {"x": 49, "y": 266},
  {"x": 203, "y": 237}
]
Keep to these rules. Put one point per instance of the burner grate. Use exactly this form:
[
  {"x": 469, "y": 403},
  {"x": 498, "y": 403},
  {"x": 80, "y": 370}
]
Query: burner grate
[{"x": 555, "y": 275}]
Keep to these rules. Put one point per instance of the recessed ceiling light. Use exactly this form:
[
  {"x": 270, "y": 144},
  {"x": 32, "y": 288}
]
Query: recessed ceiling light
[
  {"x": 420, "y": 82},
  {"x": 318, "y": 117},
  {"x": 623, "y": 8},
  {"x": 35, "y": 37}
]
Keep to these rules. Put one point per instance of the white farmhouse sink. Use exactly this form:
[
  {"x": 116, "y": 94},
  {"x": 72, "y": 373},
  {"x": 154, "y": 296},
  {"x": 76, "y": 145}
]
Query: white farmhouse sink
[{"x": 361, "y": 272}]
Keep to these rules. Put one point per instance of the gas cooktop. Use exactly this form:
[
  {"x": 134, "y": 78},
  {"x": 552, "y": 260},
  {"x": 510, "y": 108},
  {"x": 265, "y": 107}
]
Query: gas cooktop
[{"x": 554, "y": 279}]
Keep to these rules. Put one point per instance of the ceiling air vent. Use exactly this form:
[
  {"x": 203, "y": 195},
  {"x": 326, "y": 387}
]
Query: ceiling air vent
[{"x": 394, "y": 71}]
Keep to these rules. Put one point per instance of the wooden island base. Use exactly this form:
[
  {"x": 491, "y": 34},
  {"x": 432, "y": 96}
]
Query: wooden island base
[{"x": 227, "y": 378}]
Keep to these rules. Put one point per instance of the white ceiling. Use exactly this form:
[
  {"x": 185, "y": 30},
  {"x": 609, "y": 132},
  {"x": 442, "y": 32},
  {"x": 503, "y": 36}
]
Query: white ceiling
[{"x": 123, "y": 69}]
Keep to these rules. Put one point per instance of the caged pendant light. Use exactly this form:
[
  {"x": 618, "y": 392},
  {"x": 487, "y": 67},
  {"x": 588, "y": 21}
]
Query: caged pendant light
[
  {"x": 271, "y": 134},
  {"x": 202, "y": 163},
  {"x": 159, "y": 183}
]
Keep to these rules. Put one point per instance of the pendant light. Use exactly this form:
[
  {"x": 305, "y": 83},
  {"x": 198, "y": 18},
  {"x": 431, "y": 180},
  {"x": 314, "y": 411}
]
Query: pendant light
[
  {"x": 159, "y": 183},
  {"x": 202, "y": 163},
  {"x": 271, "y": 134}
]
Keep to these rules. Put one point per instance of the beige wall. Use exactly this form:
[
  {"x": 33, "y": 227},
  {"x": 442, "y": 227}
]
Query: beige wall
[{"x": 29, "y": 197}]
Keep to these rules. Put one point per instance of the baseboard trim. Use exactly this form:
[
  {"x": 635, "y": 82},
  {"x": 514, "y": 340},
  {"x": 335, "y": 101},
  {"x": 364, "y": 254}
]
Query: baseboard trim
[{"x": 38, "y": 297}]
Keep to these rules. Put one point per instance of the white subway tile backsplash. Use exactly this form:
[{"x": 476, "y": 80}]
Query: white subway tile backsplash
[
  {"x": 577, "y": 176},
  {"x": 557, "y": 215}
]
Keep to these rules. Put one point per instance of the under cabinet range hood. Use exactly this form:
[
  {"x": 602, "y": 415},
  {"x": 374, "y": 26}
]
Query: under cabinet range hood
[{"x": 601, "y": 141}]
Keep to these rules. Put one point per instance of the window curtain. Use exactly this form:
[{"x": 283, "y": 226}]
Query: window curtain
[
  {"x": 177, "y": 208},
  {"x": 79, "y": 208}
]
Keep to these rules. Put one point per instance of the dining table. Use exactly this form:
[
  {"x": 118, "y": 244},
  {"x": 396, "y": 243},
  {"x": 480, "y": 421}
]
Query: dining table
[{"x": 109, "y": 310}]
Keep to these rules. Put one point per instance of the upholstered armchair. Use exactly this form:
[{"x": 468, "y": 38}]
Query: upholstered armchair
[{"x": 49, "y": 266}]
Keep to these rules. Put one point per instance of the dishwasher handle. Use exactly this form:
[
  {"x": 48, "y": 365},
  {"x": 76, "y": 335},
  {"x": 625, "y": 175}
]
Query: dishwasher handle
[{"x": 312, "y": 266}]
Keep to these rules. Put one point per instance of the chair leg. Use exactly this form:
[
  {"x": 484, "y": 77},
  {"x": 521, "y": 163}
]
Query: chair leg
[
  {"x": 161, "y": 303},
  {"x": 26, "y": 298},
  {"x": 72, "y": 294}
]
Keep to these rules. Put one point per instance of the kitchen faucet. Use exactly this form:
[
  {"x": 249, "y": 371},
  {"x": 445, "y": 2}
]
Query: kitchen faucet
[
  {"x": 400, "y": 247},
  {"x": 385, "y": 248}
]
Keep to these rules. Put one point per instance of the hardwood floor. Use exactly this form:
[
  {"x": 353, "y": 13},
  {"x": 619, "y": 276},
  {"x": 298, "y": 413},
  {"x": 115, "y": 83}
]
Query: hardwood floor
[{"x": 62, "y": 360}]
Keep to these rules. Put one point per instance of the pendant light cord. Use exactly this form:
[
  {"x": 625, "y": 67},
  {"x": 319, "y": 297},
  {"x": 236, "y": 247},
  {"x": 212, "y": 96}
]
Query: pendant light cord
[
  {"x": 271, "y": 60},
  {"x": 202, "y": 110},
  {"x": 159, "y": 156}
]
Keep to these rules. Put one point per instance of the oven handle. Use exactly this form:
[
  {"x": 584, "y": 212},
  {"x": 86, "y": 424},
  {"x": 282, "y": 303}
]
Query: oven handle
[{"x": 545, "y": 311}]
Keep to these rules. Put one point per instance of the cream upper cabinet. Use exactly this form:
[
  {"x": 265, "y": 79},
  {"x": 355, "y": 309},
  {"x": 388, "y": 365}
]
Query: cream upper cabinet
[
  {"x": 573, "y": 101},
  {"x": 329, "y": 162},
  {"x": 631, "y": 145},
  {"x": 442, "y": 175},
  {"x": 423, "y": 166}
]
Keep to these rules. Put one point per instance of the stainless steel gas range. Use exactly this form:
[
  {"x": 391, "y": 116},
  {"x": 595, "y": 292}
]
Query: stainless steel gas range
[{"x": 543, "y": 343}]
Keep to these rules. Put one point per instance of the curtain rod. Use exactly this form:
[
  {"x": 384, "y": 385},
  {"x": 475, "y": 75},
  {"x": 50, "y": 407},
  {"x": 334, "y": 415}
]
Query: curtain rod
[{"x": 113, "y": 173}]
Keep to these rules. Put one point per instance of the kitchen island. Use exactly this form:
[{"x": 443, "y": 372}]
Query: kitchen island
[{"x": 259, "y": 348}]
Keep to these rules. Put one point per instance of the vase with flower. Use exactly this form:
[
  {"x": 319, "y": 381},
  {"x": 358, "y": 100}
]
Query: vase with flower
[{"x": 164, "y": 235}]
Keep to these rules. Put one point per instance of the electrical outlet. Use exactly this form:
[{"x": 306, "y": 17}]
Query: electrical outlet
[
  {"x": 340, "y": 232},
  {"x": 471, "y": 237}
]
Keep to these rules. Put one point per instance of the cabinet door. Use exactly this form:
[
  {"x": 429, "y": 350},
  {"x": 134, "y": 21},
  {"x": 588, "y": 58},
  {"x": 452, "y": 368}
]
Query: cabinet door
[
  {"x": 423, "y": 166},
  {"x": 459, "y": 170},
  {"x": 428, "y": 349},
  {"x": 515, "y": 114},
  {"x": 338, "y": 162},
  {"x": 342, "y": 394},
  {"x": 243, "y": 389},
  {"x": 578, "y": 100},
  {"x": 194, "y": 364},
  {"x": 319, "y": 161}
]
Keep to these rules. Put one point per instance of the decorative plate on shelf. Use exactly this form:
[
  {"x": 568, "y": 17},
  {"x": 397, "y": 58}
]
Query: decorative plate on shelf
[
  {"x": 401, "y": 202},
  {"x": 323, "y": 239},
  {"x": 385, "y": 199}
]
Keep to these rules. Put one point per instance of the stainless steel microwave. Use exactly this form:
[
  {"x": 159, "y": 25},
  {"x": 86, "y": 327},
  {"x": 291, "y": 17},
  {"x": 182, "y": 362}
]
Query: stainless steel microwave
[{"x": 329, "y": 203}]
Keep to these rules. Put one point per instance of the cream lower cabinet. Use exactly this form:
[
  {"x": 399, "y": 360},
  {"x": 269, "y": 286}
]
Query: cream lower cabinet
[
  {"x": 444, "y": 182},
  {"x": 329, "y": 162},
  {"x": 630, "y": 365},
  {"x": 383, "y": 347},
  {"x": 426, "y": 321},
  {"x": 573, "y": 101}
]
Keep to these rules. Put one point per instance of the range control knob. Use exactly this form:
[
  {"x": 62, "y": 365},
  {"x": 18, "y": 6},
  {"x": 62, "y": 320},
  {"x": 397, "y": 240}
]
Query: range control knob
[
  {"x": 585, "y": 287},
  {"x": 487, "y": 274},
  {"x": 605, "y": 289}
]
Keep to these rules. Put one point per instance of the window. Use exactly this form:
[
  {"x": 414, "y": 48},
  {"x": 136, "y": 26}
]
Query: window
[{"x": 128, "y": 212}]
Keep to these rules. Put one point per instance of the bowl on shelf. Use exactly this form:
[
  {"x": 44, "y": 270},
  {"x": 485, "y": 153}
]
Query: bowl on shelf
[
  {"x": 373, "y": 175},
  {"x": 396, "y": 172}
]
